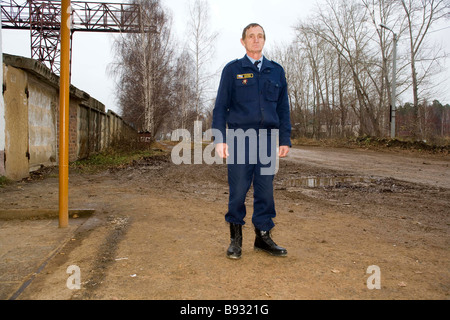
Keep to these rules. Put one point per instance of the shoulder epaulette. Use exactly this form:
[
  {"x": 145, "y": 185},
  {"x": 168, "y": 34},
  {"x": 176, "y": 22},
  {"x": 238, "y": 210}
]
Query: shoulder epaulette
[
  {"x": 274, "y": 62},
  {"x": 231, "y": 62}
]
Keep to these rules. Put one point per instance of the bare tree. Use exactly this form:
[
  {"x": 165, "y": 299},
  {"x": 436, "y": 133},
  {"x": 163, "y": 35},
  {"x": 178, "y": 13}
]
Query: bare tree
[
  {"x": 184, "y": 111},
  {"x": 200, "y": 44},
  {"x": 343, "y": 25},
  {"x": 420, "y": 16},
  {"x": 143, "y": 68},
  {"x": 383, "y": 12},
  {"x": 295, "y": 63}
]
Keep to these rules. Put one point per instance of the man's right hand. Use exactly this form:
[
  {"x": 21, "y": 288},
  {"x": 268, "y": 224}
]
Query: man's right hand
[{"x": 222, "y": 150}]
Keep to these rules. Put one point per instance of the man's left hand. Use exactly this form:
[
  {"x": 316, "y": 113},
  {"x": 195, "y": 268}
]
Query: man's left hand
[{"x": 284, "y": 150}]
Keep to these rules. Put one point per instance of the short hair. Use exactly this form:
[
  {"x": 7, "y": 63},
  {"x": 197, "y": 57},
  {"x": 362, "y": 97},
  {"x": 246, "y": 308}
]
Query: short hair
[{"x": 252, "y": 25}]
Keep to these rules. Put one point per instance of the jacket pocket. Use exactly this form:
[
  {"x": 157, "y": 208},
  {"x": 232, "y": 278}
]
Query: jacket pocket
[
  {"x": 246, "y": 90},
  {"x": 272, "y": 90}
]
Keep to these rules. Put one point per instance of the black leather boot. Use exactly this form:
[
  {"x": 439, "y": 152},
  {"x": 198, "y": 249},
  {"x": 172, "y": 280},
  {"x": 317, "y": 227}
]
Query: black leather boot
[
  {"x": 235, "y": 249},
  {"x": 264, "y": 242}
]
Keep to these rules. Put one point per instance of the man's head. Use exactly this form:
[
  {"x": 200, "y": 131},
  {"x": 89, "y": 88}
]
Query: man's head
[
  {"x": 253, "y": 39},
  {"x": 252, "y": 25}
]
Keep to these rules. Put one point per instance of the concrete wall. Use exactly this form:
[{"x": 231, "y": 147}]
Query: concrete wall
[
  {"x": 31, "y": 117},
  {"x": 2, "y": 113}
]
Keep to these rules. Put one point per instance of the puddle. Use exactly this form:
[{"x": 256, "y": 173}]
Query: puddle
[{"x": 316, "y": 182}]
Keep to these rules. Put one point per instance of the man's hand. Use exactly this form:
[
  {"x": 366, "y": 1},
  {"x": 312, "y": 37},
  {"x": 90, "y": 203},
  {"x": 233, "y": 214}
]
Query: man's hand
[
  {"x": 283, "y": 151},
  {"x": 222, "y": 150}
]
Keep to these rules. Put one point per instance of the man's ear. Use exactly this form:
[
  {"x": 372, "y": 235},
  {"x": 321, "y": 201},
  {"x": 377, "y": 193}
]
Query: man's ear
[{"x": 242, "y": 42}]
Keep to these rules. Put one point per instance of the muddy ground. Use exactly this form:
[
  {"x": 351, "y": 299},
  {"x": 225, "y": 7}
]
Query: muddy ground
[{"x": 158, "y": 230}]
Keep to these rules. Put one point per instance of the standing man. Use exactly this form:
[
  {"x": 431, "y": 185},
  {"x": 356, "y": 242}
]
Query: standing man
[{"x": 252, "y": 99}]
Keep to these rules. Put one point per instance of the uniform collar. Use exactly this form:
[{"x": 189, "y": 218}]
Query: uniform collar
[
  {"x": 245, "y": 62},
  {"x": 253, "y": 60}
]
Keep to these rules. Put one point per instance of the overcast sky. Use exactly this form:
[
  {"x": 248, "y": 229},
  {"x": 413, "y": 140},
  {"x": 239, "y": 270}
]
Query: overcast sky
[{"x": 92, "y": 51}]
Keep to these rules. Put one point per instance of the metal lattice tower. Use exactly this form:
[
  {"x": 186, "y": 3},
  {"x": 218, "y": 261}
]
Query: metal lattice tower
[{"x": 43, "y": 19}]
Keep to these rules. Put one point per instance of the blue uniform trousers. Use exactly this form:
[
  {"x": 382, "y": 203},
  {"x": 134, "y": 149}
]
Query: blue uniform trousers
[{"x": 257, "y": 168}]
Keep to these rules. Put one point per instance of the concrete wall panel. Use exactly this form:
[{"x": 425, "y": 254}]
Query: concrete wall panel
[
  {"x": 41, "y": 124},
  {"x": 16, "y": 124}
]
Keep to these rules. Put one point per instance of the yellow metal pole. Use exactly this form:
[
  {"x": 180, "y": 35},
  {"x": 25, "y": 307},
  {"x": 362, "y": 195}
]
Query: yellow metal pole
[{"x": 64, "y": 87}]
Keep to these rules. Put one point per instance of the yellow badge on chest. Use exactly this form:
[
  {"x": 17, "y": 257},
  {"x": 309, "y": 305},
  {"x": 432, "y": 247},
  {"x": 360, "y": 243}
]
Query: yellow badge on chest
[{"x": 244, "y": 76}]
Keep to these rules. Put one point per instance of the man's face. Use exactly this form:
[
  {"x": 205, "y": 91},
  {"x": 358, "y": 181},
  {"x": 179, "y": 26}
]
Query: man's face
[{"x": 254, "y": 40}]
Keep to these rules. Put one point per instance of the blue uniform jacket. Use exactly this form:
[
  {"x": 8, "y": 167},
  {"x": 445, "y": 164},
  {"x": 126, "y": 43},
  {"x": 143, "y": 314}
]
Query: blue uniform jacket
[{"x": 251, "y": 99}]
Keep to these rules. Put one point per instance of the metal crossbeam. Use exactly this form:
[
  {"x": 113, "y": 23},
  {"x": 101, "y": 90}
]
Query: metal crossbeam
[{"x": 43, "y": 19}]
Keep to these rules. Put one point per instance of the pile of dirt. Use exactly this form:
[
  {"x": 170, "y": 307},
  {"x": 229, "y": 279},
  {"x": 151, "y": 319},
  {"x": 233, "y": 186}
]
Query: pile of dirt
[{"x": 418, "y": 145}]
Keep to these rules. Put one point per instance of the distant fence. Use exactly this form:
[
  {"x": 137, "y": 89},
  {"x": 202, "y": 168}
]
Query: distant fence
[{"x": 31, "y": 113}]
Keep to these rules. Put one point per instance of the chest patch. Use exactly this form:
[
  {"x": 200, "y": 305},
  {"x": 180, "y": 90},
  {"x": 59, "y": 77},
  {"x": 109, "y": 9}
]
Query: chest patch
[{"x": 244, "y": 76}]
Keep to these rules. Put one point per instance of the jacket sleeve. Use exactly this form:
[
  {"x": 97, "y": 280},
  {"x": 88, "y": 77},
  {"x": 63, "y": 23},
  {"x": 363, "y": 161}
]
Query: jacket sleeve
[
  {"x": 222, "y": 106},
  {"x": 283, "y": 112}
]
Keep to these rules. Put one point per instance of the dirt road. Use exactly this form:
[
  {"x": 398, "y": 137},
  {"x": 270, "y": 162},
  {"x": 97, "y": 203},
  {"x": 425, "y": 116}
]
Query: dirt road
[
  {"x": 433, "y": 171},
  {"x": 159, "y": 231}
]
